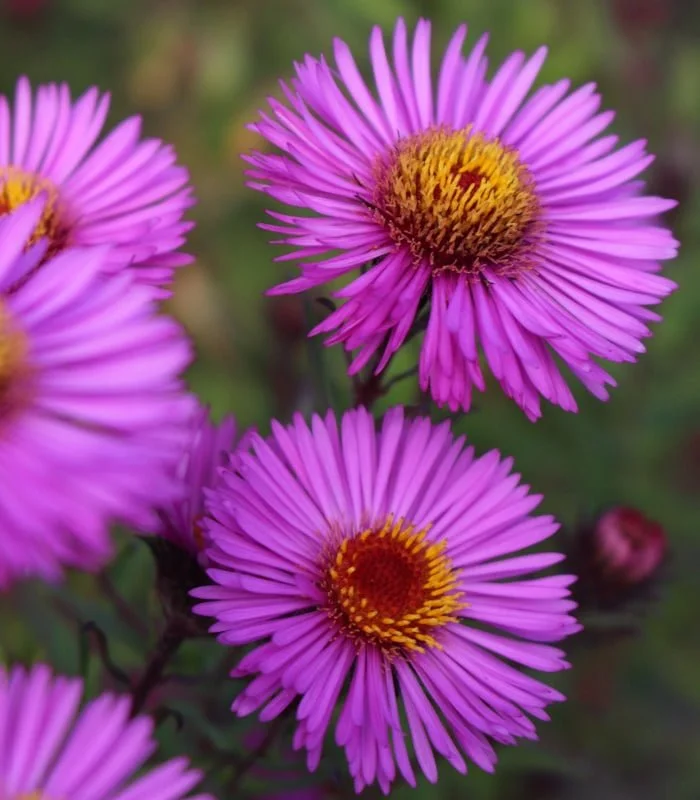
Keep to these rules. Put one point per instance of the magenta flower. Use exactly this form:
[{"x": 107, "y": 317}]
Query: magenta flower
[
  {"x": 125, "y": 192},
  {"x": 359, "y": 559},
  {"x": 208, "y": 447},
  {"x": 51, "y": 750},
  {"x": 93, "y": 415},
  {"x": 502, "y": 220}
]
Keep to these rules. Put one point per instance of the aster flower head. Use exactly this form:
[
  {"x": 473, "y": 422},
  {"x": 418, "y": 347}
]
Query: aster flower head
[
  {"x": 366, "y": 565},
  {"x": 501, "y": 219},
  {"x": 52, "y": 750},
  {"x": 93, "y": 413},
  {"x": 125, "y": 192}
]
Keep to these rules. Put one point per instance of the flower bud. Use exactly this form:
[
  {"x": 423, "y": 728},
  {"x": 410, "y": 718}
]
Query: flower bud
[
  {"x": 635, "y": 17},
  {"x": 629, "y": 547},
  {"x": 24, "y": 10},
  {"x": 617, "y": 558}
]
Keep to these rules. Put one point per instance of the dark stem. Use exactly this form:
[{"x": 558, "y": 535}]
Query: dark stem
[
  {"x": 368, "y": 391},
  {"x": 168, "y": 644},
  {"x": 125, "y": 611},
  {"x": 370, "y": 388},
  {"x": 259, "y": 752},
  {"x": 164, "y": 713},
  {"x": 93, "y": 630},
  {"x": 407, "y": 373}
]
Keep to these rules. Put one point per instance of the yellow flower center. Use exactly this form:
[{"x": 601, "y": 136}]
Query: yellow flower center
[
  {"x": 391, "y": 587},
  {"x": 18, "y": 187},
  {"x": 459, "y": 201},
  {"x": 13, "y": 353}
]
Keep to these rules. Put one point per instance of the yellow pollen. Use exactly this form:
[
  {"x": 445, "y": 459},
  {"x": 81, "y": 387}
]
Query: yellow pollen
[
  {"x": 18, "y": 187},
  {"x": 390, "y": 587},
  {"x": 459, "y": 201},
  {"x": 13, "y": 356}
]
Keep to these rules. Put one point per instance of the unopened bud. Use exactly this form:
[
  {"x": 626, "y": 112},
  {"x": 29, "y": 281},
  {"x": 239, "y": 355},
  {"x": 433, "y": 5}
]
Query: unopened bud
[
  {"x": 634, "y": 17},
  {"x": 24, "y": 10},
  {"x": 630, "y": 548},
  {"x": 617, "y": 558}
]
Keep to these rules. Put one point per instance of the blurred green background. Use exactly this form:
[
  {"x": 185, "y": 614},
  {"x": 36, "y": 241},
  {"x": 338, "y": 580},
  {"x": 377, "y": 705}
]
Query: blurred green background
[{"x": 198, "y": 70}]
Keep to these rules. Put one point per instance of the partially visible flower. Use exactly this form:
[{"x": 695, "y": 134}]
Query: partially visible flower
[
  {"x": 618, "y": 556},
  {"x": 51, "y": 750},
  {"x": 369, "y": 565},
  {"x": 125, "y": 192},
  {"x": 502, "y": 221},
  {"x": 209, "y": 446},
  {"x": 93, "y": 409},
  {"x": 180, "y": 540}
]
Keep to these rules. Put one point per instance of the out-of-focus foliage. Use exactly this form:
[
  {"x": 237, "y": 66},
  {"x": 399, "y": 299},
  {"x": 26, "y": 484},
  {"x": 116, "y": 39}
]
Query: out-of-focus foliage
[{"x": 198, "y": 70}]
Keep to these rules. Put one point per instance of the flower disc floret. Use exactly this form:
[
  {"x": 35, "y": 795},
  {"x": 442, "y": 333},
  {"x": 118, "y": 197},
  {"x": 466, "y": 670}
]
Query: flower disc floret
[
  {"x": 391, "y": 587},
  {"x": 459, "y": 202}
]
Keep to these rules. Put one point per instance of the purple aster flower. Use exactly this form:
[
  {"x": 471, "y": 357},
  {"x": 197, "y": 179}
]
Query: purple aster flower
[
  {"x": 126, "y": 192},
  {"x": 360, "y": 560},
  {"x": 93, "y": 416},
  {"x": 503, "y": 220},
  {"x": 209, "y": 447},
  {"x": 52, "y": 750}
]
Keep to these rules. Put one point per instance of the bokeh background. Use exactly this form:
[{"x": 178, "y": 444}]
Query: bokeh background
[{"x": 198, "y": 71}]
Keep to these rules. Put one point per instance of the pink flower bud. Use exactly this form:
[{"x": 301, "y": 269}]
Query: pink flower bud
[
  {"x": 628, "y": 546},
  {"x": 24, "y": 10}
]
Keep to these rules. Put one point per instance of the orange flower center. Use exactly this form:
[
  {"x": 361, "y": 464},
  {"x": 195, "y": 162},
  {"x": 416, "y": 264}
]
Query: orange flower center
[
  {"x": 459, "y": 201},
  {"x": 391, "y": 587},
  {"x": 18, "y": 187}
]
